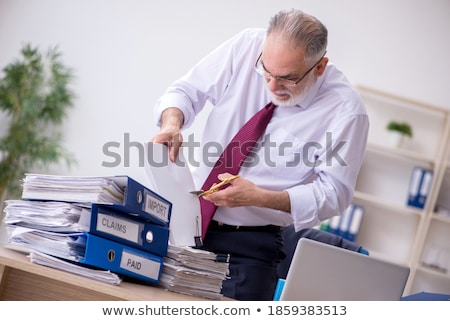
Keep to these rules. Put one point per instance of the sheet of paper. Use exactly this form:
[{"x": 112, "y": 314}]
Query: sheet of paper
[
  {"x": 173, "y": 181},
  {"x": 95, "y": 189},
  {"x": 53, "y": 262}
]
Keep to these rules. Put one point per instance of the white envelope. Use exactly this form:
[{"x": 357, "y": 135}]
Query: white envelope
[{"x": 173, "y": 181}]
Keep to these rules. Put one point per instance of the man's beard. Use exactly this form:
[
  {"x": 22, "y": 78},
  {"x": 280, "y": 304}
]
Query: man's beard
[{"x": 294, "y": 99}]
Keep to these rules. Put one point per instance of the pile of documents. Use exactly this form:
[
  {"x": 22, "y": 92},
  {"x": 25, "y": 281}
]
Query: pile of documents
[
  {"x": 55, "y": 263},
  {"x": 109, "y": 223},
  {"x": 72, "y": 188},
  {"x": 195, "y": 272},
  {"x": 107, "y": 228}
]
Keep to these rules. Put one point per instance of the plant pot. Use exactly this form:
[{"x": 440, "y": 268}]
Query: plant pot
[{"x": 396, "y": 139}]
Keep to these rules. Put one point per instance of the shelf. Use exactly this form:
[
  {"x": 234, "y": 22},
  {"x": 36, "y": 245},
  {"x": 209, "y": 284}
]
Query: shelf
[
  {"x": 434, "y": 271},
  {"x": 438, "y": 234},
  {"x": 400, "y": 101},
  {"x": 400, "y": 153},
  {"x": 390, "y": 228},
  {"x": 360, "y": 197},
  {"x": 380, "y": 230},
  {"x": 428, "y": 280},
  {"x": 382, "y": 256},
  {"x": 443, "y": 198},
  {"x": 428, "y": 122},
  {"x": 441, "y": 218},
  {"x": 386, "y": 178}
]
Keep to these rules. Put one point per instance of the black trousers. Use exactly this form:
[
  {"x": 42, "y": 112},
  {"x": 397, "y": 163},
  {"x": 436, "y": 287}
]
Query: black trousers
[{"x": 254, "y": 257}]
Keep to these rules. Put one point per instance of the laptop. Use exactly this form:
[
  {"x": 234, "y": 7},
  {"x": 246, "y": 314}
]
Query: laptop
[{"x": 323, "y": 272}]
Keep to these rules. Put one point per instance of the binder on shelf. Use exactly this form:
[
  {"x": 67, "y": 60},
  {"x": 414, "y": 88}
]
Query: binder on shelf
[
  {"x": 324, "y": 225},
  {"x": 334, "y": 225},
  {"x": 93, "y": 251},
  {"x": 347, "y": 224},
  {"x": 355, "y": 223},
  {"x": 344, "y": 221},
  {"x": 425, "y": 186},
  {"x": 122, "y": 228},
  {"x": 121, "y": 193},
  {"x": 419, "y": 186}
]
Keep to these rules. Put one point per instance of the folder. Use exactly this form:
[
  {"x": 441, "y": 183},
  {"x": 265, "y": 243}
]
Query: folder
[
  {"x": 325, "y": 225},
  {"x": 142, "y": 202},
  {"x": 66, "y": 217},
  {"x": 355, "y": 223},
  {"x": 419, "y": 186},
  {"x": 122, "y": 259},
  {"x": 121, "y": 193},
  {"x": 128, "y": 230},
  {"x": 414, "y": 187},
  {"x": 425, "y": 186},
  {"x": 91, "y": 250},
  {"x": 344, "y": 221},
  {"x": 334, "y": 224},
  {"x": 64, "y": 265}
]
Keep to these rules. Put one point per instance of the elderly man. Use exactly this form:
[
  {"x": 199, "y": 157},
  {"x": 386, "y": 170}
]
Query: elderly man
[{"x": 303, "y": 167}]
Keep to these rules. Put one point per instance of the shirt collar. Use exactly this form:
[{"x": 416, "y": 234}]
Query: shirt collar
[{"x": 311, "y": 95}]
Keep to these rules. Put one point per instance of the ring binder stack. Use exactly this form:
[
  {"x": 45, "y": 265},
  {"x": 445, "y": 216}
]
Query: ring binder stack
[
  {"x": 347, "y": 224},
  {"x": 112, "y": 223},
  {"x": 419, "y": 186}
]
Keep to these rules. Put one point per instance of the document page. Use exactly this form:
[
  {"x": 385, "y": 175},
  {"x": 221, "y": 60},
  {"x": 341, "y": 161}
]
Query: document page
[
  {"x": 173, "y": 181},
  {"x": 53, "y": 262}
]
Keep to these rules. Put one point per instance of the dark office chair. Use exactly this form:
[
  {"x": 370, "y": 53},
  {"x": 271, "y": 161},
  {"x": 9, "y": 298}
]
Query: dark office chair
[{"x": 291, "y": 239}]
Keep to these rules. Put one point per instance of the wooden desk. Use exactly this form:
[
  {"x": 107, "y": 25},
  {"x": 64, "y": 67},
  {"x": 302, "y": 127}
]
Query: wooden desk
[{"x": 22, "y": 280}]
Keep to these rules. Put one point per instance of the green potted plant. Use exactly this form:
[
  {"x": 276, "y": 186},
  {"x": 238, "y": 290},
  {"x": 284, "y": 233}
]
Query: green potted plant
[
  {"x": 398, "y": 131},
  {"x": 34, "y": 98}
]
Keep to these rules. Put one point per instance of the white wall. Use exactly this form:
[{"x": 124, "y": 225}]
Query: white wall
[{"x": 126, "y": 52}]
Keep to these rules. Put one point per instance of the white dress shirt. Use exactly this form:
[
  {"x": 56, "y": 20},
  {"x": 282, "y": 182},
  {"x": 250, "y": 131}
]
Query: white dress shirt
[{"x": 329, "y": 129}]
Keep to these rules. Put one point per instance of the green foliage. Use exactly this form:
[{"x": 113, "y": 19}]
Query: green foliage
[
  {"x": 34, "y": 96},
  {"x": 402, "y": 127}
]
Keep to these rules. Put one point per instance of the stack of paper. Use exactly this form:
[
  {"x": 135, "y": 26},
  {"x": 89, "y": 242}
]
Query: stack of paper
[
  {"x": 72, "y": 188},
  {"x": 199, "y": 259},
  {"x": 63, "y": 218},
  {"x": 70, "y": 246},
  {"x": 112, "y": 223},
  {"x": 89, "y": 250},
  {"x": 95, "y": 274},
  {"x": 195, "y": 272},
  {"x": 49, "y": 216}
]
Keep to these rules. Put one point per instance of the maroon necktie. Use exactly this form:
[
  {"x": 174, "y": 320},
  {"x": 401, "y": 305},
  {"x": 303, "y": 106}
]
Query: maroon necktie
[{"x": 233, "y": 156}]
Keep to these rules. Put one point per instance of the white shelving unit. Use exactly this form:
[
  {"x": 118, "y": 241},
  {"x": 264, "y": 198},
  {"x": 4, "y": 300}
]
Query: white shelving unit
[{"x": 390, "y": 228}]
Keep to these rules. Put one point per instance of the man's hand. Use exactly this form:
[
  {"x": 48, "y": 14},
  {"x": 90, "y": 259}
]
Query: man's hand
[
  {"x": 172, "y": 120},
  {"x": 173, "y": 139},
  {"x": 242, "y": 192}
]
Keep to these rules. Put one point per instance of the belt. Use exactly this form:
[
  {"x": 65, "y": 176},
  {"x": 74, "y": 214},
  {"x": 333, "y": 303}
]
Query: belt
[{"x": 219, "y": 226}]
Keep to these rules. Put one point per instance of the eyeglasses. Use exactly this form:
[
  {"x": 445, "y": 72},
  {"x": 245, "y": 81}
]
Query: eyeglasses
[{"x": 285, "y": 80}]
